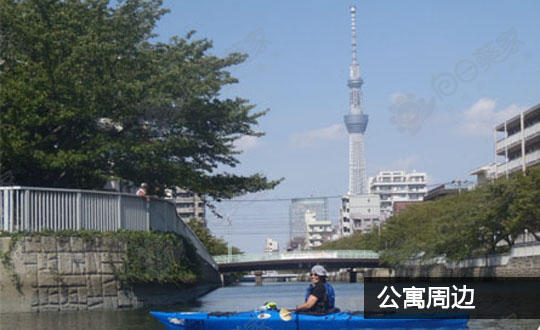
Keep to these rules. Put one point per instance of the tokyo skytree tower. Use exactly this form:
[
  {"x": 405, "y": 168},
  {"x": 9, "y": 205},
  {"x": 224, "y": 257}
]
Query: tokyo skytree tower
[{"x": 356, "y": 122}]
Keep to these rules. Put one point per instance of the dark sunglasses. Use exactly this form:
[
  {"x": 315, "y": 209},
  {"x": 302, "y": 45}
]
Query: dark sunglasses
[{"x": 313, "y": 274}]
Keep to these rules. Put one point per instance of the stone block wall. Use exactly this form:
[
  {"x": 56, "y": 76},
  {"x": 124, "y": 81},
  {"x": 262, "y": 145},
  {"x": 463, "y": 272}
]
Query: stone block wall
[{"x": 47, "y": 273}]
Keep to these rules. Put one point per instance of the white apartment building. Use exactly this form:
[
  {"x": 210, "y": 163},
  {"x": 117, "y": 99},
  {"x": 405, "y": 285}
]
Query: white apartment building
[
  {"x": 517, "y": 142},
  {"x": 317, "y": 231},
  {"x": 359, "y": 213},
  {"x": 271, "y": 246},
  {"x": 397, "y": 186}
]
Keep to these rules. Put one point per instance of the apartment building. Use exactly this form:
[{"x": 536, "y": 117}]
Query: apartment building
[
  {"x": 397, "y": 186},
  {"x": 359, "y": 213},
  {"x": 297, "y": 223},
  {"x": 271, "y": 246},
  {"x": 189, "y": 205},
  {"x": 517, "y": 142},
  {"x": 317, "y": 231}
]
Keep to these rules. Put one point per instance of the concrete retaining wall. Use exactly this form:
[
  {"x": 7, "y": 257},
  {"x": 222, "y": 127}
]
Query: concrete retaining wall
[
  {"x": 47, "y": 273},
  {"x": 521, "y": 261}
]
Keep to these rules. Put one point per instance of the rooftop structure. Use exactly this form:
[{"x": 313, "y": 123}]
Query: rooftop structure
[
  {"x": 485, "y": 173},
  {"x": 450, "y": 188}
]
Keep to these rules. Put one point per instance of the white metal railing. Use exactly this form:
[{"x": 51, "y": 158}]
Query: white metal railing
[
  {"x": 528, "y": 133},
  {"x": 37, "y": 209},
  {"x": 516, "y": 164},
  {"x": 299, "y": 255},
  {"x": 512, "y": 165},
  {"x": 532, "y": 157}
]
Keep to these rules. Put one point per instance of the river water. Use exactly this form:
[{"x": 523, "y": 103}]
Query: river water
[{"x": 243, "y": 297}]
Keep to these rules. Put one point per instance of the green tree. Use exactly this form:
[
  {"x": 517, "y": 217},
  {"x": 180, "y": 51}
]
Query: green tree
[
  {"x": 87, "y": 96},
  {"x": 214, "y": 245},
  {"x": 525, "y": 208},
  {"x": 469, "y": 224}
]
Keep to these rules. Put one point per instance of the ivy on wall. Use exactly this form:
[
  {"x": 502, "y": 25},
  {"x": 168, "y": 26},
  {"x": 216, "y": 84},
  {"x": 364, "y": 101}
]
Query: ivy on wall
[{"x": 149, "y": 256}]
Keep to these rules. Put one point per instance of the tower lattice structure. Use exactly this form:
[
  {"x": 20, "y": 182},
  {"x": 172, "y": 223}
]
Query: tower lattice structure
[{"x": 356, "y": 121}]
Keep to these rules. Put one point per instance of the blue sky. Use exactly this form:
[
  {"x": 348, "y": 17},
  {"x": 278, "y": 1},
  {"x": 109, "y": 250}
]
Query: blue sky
[{"x": 438, "y": 76}]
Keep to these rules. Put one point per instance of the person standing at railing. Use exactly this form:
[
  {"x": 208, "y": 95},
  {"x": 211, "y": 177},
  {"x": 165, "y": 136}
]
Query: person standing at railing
[{"x": 143, "y": 191}]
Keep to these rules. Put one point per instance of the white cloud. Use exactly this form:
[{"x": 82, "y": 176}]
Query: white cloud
[
  {"x": 246, "y": 143},
  {"x": 481, "y": 117},
  {"x": 310, "y": 138}
]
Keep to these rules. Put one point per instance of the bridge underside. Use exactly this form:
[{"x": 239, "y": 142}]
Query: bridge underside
[{"x": 329, "y": 264}]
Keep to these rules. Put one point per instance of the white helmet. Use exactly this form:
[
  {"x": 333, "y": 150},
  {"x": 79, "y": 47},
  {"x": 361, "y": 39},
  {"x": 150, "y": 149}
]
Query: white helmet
[{"x": 318, "y": 270}]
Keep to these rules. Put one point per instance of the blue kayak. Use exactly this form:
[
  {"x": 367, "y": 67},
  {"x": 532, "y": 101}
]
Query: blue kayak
[{"x": 272, "y": 320}]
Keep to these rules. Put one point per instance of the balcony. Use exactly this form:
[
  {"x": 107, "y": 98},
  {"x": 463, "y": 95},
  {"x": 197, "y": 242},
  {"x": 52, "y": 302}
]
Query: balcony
[
  {"x": 532, "y": 158},
  {"x": 515, "y": 139},
  {"x": 516, "y": 164},
  {"x": 512, "y": 166}
]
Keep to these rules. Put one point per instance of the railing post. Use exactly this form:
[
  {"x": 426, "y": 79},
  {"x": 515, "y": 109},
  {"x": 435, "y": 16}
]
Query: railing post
[
  {"x": 8, "y": 202},
  {"x": 26, "y": 207},
  {"x": 147, "y": 215},
  {"x": 5, "y": 208},
  {"x": 119, "y": 222},
  {"x": 79, "y": 211}
]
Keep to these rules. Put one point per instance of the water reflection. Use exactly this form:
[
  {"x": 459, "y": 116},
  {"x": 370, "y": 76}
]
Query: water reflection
[{"x": 349, "y": 296}]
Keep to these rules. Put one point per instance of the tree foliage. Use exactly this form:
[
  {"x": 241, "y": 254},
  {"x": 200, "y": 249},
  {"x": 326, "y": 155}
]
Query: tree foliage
[
  {"x": 87, "y": 95},
  {"x": 215, "y": 246},
  {"x": 473, "y": 223}
]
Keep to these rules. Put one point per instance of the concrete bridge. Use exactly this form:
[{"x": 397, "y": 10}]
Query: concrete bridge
[
  {"x": 330, "y": 259},
  {"x": 270, "y": 276}
]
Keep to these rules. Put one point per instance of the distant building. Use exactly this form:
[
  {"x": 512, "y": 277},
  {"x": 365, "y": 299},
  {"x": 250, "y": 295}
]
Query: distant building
[
  {"x": 271, "y": 246},
  {"x": 297, "y": 223},
  {"x": 397, "y": 186},
  {"x": 485, "y": 173},
  {"x": 517, "y": 145},
  {"x": 317, "y": 231},
  {"x": 399, "y": 207},
  {"x": 189, "y": 205},
  {"x": 296, "y": 243},
  {"x": 450, "y": 188},
  {"x": 359, "y": 213}
]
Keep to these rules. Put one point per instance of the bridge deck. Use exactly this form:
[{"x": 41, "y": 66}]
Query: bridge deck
[{"x": 298, "y": 260}]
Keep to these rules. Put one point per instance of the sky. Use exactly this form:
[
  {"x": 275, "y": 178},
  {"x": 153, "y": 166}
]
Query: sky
[{"x": 437, "y": 77}]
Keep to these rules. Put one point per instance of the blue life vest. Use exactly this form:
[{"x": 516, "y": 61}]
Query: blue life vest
[{"x": 330, "y": 293}]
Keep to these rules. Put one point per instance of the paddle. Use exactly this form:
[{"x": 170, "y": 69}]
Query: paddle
[{"x": 285, "y": 314}]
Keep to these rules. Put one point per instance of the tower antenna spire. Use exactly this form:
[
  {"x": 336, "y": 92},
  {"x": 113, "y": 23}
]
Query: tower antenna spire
[{"x": 353, "y": 33}]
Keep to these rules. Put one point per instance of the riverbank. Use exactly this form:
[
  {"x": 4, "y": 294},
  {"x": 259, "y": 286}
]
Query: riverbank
[{"x": 94, "y": 270}]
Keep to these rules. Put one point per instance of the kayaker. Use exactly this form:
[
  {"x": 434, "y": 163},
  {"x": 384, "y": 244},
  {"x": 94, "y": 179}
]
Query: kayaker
[{"x": 320, "y": 294}]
